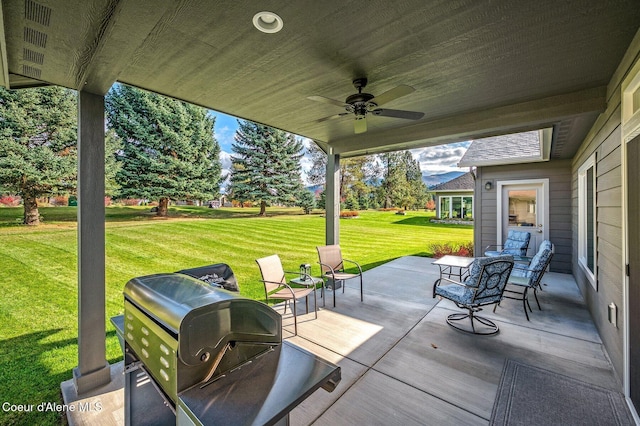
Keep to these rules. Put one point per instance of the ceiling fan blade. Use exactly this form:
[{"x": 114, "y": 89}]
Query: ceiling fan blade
[
  {"x": 397, "y": 113},
  {"x": 360, "y": 125},
  {"x": 392, "y": 94},
  {"x": 331, "y": 117},
  {"x": 327, "y": 101}
]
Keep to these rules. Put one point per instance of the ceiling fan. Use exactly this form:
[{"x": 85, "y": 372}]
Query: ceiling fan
[{"x": 360, "y": 104}]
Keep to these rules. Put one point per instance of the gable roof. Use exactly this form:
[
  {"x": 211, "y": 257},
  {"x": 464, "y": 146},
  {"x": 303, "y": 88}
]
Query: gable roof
[
  {"x": 463, "y": 182},
  {"x": 515, "y": 148}
]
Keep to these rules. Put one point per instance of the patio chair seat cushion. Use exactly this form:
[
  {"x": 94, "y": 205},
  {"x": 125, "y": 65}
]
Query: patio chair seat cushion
[
  {"x": 479, "y": 263},
  {"x": 537, "y": 265},
  {"x": 517, "y": 243},
  {"x": 546, "y": 245},
  {"x": 491, "y": 291},
  {"x": 464, "y": 294},
  {"x": 524, "y": 269},
  {"x": 458, "y": 293}
]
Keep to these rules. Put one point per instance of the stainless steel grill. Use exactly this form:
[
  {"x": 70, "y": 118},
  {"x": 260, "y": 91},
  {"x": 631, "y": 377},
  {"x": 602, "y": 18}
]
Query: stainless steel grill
[{"x": 185, "y": 341}]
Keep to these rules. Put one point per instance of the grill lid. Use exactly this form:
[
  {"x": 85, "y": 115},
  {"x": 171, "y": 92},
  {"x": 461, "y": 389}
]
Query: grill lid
[{"x": 202, "y": 318}]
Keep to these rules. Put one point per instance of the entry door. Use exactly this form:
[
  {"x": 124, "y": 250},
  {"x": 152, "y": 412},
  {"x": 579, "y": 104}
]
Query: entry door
[
  {"x": 522, "y": 207},
  {"x": 633, "y": 229}
]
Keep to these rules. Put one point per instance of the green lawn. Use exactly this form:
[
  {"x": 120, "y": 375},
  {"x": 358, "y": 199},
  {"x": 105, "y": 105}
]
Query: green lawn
[{"x": 38, "y": 277}]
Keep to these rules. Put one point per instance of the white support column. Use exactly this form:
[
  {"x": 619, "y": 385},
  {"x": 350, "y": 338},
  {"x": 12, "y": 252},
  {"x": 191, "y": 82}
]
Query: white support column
[
  {"x": 332, "y": 199},
  {"x": 92, "y": 370}
]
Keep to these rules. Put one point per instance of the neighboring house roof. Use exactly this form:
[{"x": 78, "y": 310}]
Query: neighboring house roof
[
  {"x": 463, "y": 182},
  {"x": 515, "y": 148}
]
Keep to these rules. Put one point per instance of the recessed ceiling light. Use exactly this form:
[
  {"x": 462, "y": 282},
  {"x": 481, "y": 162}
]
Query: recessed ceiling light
[{"x": 267, "y": 22}]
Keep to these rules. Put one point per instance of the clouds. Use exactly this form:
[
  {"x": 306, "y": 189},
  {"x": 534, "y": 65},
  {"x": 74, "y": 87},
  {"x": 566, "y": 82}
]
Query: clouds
[
  {"x": 305, "y": 161},
  {"x": 224, "y": 129},
  {"x": 440, "y": 159},
  {"x": 225, "y": 159}
]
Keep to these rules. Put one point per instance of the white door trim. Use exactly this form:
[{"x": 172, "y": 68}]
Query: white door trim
[
  {"x": 545, "y": 192},
  {"x": 630, "y": 129}
]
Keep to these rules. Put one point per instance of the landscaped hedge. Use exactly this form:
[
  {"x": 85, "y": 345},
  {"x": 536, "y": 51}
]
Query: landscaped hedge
[
  {"x": 349, "y": 214},
  {"x": 443, "y": 249}
]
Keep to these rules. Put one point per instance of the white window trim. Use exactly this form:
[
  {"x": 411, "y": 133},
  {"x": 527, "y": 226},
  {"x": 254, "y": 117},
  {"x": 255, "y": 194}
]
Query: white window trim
[{"x": 582, "y": 221}]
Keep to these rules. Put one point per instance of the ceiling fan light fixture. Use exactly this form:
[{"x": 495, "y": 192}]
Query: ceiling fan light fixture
[{"x": 267, "y": 22}]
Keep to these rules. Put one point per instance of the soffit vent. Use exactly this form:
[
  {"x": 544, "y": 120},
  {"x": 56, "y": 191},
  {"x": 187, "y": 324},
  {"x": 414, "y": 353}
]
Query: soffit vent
[
  {"x": 35, "y": 37},
  {"x": 31, "y": 71},
  {"x": 31, "y": 56},
  {"x": 37, "y": 13}
]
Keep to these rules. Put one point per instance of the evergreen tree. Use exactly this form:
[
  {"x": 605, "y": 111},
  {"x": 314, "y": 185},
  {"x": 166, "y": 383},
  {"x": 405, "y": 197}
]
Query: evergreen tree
[
  {"x": 169, "y": 152},
  {"x": 306, "y": 201},
  {"x": 38, "y": 139},
  {"x": 266, "y": 165},
  {"x": 113, "y": 148}
]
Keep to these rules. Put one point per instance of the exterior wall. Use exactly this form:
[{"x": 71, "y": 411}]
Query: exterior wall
[
  {"x": 560, "y": 227},
  {"x": 604, "y": 139}
]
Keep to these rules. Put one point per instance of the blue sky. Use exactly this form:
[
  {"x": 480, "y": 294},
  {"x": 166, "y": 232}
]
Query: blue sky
[{"x": 433, "y": 160}]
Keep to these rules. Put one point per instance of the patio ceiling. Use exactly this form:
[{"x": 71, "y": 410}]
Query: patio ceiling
[{"x": 480, "y": 68}]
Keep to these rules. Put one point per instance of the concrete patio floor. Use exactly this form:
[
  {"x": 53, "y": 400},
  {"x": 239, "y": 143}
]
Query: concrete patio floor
[{"x": 403, "y": 365}]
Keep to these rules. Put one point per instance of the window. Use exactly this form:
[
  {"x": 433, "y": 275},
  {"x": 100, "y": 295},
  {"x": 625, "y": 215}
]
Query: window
[
  {"x": 522, "y": 207},
  {"x": 587, "y": 219},
  {"x": 457, "y": 207},
  {"x": 445, "y": 207}
]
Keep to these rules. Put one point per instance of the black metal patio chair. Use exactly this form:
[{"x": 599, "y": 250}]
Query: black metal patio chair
[{"x": 484, "y": 286}]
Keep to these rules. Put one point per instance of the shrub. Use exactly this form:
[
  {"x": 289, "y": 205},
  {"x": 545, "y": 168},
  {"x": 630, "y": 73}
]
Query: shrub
[
  {"x": 444, "y": 249},
  {"x": 59, "y": 201},
  {"x": 10, "y": 200},
  {"x": 349, "y": 214}
]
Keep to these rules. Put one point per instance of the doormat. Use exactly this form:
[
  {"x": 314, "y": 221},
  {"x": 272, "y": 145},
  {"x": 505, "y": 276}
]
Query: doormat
[{"x": 530, "y": 395}]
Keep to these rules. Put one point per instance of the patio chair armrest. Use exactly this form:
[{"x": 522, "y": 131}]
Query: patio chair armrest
[
  {"x": 449, "y": 280},
  {"x": 355, "y": 263},
  {"x": 331, "y": 270},
  {"x": 521, "y": 268},
  {"x": 493, "y": 246},
  {"x": 282, "y": 285}
]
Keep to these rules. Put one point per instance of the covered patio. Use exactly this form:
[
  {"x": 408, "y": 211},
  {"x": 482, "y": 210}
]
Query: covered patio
[
  {"x": 449, "y": 72},
  {"x": 402, "y": 364}
]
